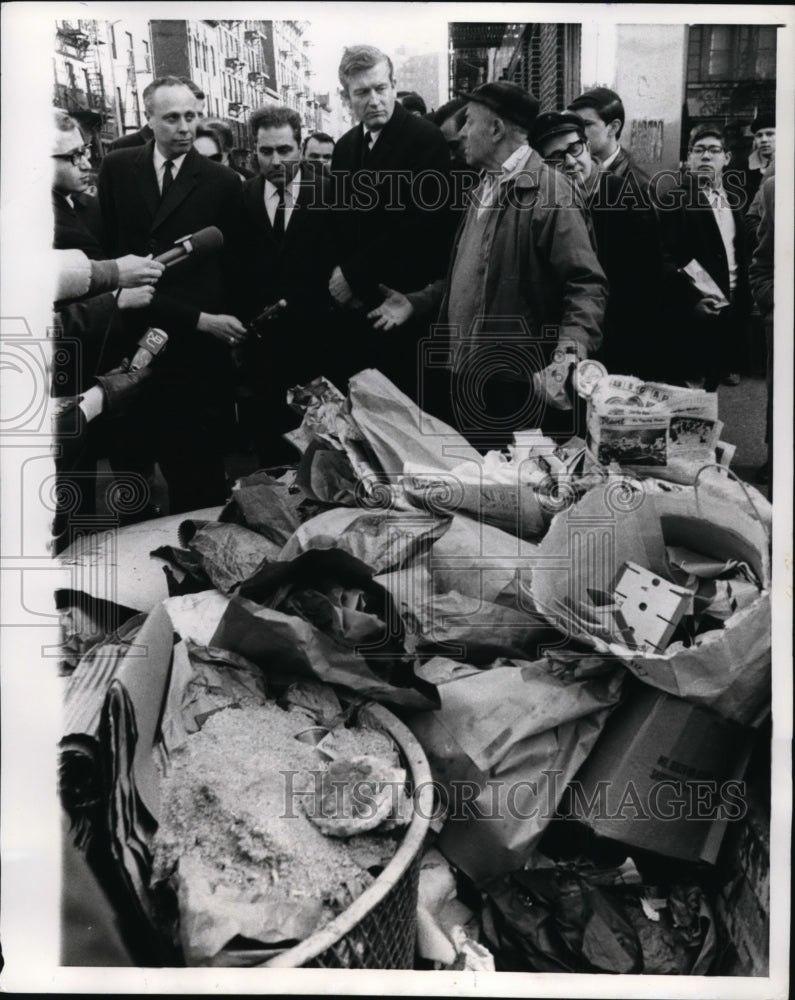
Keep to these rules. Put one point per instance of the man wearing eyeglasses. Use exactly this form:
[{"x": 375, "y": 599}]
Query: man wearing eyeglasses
[
  {"x": 627, "y": 244},
  {"x": 706, "y": 266}
]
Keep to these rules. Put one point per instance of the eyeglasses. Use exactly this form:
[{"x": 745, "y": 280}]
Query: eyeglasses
[
  {"x": 75, "y": 157},
  {"x": 559, "y": 156},
  {"x": 700, "y": 150}
]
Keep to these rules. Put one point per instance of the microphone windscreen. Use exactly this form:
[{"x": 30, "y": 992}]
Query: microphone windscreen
[{"x": 206, "y": 240}]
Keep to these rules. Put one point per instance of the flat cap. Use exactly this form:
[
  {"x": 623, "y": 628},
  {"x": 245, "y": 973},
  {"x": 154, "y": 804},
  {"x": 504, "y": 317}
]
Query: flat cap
[
  {"x": 556, "y": 123},
  {"x": 508, "y": 100}
]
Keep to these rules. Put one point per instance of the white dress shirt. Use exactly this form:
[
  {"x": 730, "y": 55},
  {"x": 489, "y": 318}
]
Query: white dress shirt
[
  {"x": 271, "y": 196},
  {"x": 728, "y": 231},
  {"x": 160, "y": 167},
  {"x": 605, "y": 164},
  {"x": 373, "y": 136}
]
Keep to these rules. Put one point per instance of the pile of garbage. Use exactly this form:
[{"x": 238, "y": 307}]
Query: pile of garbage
[{"x": 575, "y": 634}]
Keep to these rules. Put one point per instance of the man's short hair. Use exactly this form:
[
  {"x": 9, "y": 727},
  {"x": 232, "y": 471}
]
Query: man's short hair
[
  {"x": 275, "y": 116},
  {"x": 320, "y": 136},
  {"x": 605, "y": 102},
  {"x": 196, "y": 90},
  {"x": 168, "y": 81},
  {"x": 702, "y": 131},
  {"x": 412, "y": 101},
  {"x": 358, "y": 59},
  {"x": 214, "y": 128}
]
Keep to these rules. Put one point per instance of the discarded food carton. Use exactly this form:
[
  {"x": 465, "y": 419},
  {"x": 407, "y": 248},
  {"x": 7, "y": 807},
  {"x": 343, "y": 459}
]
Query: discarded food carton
[
  {"x": 664, "y": 776},
  {"x": 649, "y": 607}
]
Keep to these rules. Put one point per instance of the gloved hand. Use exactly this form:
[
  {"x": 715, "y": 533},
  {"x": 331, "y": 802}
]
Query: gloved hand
[{"x": 121, "y": 385}]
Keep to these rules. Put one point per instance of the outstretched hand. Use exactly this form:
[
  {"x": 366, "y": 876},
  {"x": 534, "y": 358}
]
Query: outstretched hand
[{"x": 394, "y": 311}]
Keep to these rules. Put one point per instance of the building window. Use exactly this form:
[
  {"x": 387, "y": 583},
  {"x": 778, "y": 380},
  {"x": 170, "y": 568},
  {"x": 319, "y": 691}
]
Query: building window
[
  {"x": 731, "y": 52},
  {"x": 212, "y": 59},
  {"x": 204, "y": 57},
  {"x": 196, "y": 53},
  {"x": 719, "y": 56},
  {"x": 765, "y": 68}
]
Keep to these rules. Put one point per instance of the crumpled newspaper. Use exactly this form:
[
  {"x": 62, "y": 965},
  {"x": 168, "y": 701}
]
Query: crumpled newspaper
[{"x": 325, "y": 416}]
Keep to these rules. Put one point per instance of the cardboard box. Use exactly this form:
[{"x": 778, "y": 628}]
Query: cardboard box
[{"x": 665, "y": 776}]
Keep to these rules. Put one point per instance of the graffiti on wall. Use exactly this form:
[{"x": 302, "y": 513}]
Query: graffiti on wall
[{"x": 646, "y": 140}]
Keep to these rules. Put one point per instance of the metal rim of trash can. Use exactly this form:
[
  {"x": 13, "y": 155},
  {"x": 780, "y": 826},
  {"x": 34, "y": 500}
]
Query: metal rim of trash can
[{"x": 317, "y": 944}]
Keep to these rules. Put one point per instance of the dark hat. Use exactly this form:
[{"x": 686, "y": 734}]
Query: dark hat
[
  {"x": 508, "y": 100},
  {"x": 765, "y": 120},
  {"x": 556, "y": 123}
]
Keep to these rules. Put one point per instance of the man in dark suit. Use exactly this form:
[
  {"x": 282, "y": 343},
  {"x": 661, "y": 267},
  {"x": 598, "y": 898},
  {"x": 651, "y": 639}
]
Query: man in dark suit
[
  {"x": 627, "y": 245},
  {"x": 702, "y": 225},
  {"x": 391, "y": 194},
  {"x": 287, "y": 258},
  {"x": 602, "y": 110},
  {"x": 151, "y": 197}
]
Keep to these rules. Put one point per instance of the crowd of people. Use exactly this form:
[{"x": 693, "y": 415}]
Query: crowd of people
[{"x": 460, "y": 252}]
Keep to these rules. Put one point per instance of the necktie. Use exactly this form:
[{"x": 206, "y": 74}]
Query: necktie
[
  {"x": 168, "y": 176},
  {"x": 367, "y": 145},
  {"x": 278, "y": 219}
]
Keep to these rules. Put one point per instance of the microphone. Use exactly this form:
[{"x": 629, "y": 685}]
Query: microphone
[
  {"x": 149, "y": 346},
  {"x": 256, "y": 326},
  {"x": 201, "y": 243}
]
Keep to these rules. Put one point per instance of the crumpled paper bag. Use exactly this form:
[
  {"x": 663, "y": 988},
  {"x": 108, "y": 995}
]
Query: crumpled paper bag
[
  {"x": 398, "y": 431},
  {"x": 211, "y": 918},
  {"x": 385, "y": 540},
  {"x": 504, "y": 745}
]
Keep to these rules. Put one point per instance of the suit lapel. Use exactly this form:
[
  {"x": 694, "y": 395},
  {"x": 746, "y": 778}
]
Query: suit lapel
[
  {"x": 255, "y": 205},
  {"x": 147, "y": 182},
  {"x": 184, "y": 183}
]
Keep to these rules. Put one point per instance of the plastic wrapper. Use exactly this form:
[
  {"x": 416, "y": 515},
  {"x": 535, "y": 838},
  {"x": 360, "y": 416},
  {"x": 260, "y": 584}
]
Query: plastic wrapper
[
  {"x": 572, "y": 917},
  {"x": 557, "y": 921}
]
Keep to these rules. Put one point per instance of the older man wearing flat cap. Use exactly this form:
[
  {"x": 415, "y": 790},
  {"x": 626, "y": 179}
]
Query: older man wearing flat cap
[{"x": 524, "y": 286}]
